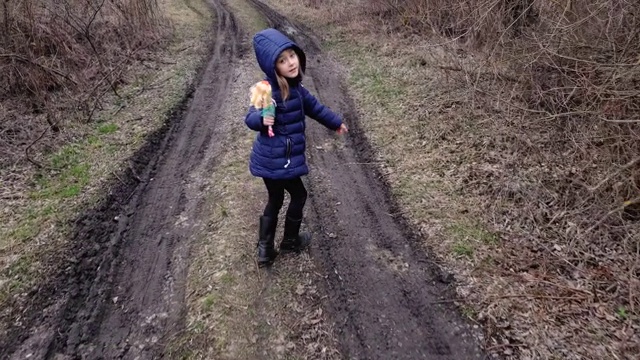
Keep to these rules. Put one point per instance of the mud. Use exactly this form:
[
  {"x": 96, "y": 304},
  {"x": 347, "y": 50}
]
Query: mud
[{"x": 121, "y": 293}]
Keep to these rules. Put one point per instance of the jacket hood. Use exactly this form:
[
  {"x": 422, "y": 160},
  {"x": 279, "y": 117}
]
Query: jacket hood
[{"x": 268, "y": 44}]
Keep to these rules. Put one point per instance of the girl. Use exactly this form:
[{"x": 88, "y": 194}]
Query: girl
[{"x": 280, "y": 160}]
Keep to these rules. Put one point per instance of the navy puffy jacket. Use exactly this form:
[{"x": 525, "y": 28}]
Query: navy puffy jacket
[{"x": 283, "y": 156}]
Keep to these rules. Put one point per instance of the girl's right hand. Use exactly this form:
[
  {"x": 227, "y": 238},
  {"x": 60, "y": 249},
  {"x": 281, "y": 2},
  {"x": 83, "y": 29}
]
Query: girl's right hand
[{"x": 267, "y": 121}]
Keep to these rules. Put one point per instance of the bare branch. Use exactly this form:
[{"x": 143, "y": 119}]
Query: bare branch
[{"x": 52, "y": 71}]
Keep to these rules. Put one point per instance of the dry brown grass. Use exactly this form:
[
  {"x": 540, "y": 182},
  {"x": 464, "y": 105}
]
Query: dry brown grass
[{"x": 511, "y": 142}]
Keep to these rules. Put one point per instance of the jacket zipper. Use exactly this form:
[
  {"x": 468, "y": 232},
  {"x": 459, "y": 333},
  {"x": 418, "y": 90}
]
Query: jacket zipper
[
  {"x": 289, "y": 142},
  {"x": 288, "y": 153}
]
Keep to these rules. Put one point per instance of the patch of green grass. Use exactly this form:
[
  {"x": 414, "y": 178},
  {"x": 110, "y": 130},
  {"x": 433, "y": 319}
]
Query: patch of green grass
[
  {"x": 227, "y": 279},
  {"x": 208, "y": 302},
  {"x": 29, "y": 226},
  {"x": 108, "y": 128},
  {"x": 369, "y": 75},
  {"x": 472, "y": 232},
  {"x": 339, "y": 43},
  {"x": 79, "y": 171},
  {"x": 463, "y": 249},
  {"x": 21, "y": 274},
  {"x": 69, "y": 191},
  {"x": 466, "y": 234},
  {"x": 223, "y": 211},
  {"x": 94, "y": 141},
  {"x": 48, "y": 210},
  {"x": 67, "y": 155},
  {"x": 71, "y": 173},
  {"x": 376, "y": 84},
  {"x": 468, "y": 311},
  {"x": 622, "y": 313},
  {"x": 25, "y": 231},
  {"x": 198, "y": 327}
]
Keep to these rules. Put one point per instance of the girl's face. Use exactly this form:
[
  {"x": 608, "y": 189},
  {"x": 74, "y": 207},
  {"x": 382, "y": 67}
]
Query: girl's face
[{"x": 288, "y": 64}]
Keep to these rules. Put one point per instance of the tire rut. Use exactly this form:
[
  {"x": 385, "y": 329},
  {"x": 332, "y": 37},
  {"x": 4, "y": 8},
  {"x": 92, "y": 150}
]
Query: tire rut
[
  {"x": 122, "y": 296},
  {"x": 384, "y": 293}
]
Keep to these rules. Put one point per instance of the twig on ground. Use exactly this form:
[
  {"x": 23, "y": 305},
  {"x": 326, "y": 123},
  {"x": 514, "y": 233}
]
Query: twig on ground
[
  {"x": 118, "y": 177},
  {"x": 135, "y": 175},
  {"x": 26, "y": 150},
  {"x": 625, "y": 167},
  {"x": 611, "y": 212}
]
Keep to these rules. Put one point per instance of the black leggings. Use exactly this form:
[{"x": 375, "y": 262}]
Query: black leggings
[{"x": 276, "y": 189}]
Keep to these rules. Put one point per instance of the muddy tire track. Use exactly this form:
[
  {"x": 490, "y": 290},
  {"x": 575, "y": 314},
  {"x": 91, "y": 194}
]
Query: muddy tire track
[
  {"x": 121, "y": 294},
  {"x": 384, "y": 293}
]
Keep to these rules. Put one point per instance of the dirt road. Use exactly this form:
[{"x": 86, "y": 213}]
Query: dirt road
[{"x": 122, "y": 293}]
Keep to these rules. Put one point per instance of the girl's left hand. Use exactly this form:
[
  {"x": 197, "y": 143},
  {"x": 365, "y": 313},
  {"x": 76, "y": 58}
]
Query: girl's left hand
[{"x": 343, "y": 129}]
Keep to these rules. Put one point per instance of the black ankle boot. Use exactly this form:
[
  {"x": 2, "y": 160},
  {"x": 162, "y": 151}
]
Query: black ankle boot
[
  {"x": 266, "y": 249},
  {"x": 294, "y": 240}
]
